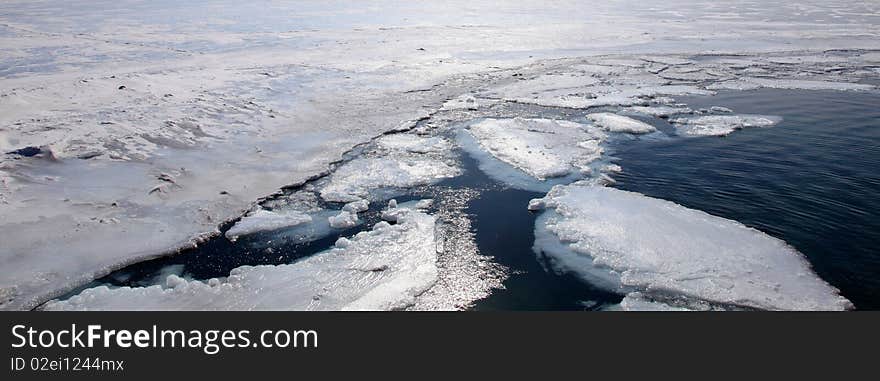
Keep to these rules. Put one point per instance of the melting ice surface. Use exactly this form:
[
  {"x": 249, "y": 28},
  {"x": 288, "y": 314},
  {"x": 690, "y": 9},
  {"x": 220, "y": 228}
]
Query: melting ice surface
[
  {"x": 382, "y": 269},
  {"x": 628, "y": 242}
]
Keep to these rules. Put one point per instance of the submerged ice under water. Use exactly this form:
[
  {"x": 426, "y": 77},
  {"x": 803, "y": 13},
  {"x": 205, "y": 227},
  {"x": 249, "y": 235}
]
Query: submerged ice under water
[{"x": 483, "y": 208}]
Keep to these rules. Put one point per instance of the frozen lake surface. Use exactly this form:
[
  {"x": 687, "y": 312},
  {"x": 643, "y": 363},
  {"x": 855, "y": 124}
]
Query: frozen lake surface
[{"x": 132, "y": 131}]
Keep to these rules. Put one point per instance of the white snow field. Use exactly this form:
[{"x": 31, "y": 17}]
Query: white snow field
[
  {"x": 152, "y": 123},
  {"x": 383, "y": 269},
  {"x": 627, "y": 242},
  {"x": 720, "y": 125}
]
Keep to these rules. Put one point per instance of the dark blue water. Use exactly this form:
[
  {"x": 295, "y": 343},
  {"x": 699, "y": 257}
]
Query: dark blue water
[
  {"x": 505, "y": 230},
  {"x": 812, "y": 181}
]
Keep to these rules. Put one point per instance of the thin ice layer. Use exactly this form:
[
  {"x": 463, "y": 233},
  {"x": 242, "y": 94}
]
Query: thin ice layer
[
  {"x": 265, "y": 220},
  {"x": 355, "y": 179},
  {"x": 619, "y": 123},
  {"x": 721, "y": 125},
  {"x": 626, "y": 242},
  {"x": 543, "y": 148},
  {"x": 386, "y": 268}
]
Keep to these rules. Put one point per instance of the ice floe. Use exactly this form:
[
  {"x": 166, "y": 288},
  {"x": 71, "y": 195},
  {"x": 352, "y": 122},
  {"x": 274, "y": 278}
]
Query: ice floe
[
  {"x": 343, "y": 220},
  {"x": 413, "y": 143},
  {"x": 627, "y": 242},
  {"x": 542, "y": 148},
  {"x": 356, "y": 206},
  {"x": 660, "y": 111},
  {"x": 751, "y": 83},
  {"x": 610, "y": 95},
  {"x": 720, "y": 125},
  {"x": 619, "y": 123},
  {"x": 386, "y": 268},
  {"x": 354, "y": 180},
  {"x": 636, "y": 301},
  {"x": 265, "y": 220}
]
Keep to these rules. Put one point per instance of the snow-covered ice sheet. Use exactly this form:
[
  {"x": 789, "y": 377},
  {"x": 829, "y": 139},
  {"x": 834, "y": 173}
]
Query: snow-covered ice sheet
[
  {"x": 619, "y": 123},
  {"x": 383, "y": 269},
  {"x": 628, "y": 242},
  {"x": 721, "y": 125},
  {"x": 265, "y": 220}
]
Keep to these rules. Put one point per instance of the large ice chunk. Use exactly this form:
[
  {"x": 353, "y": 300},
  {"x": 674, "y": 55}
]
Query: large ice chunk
[
  {"x": 543, "y": 148},
  {"x": 386, "y": 268},
  {"x": 265, "y": 220},
  {"x": 619, "y": 123},
  {"x": 354, "y": 180},
  {"x": 343, "y": 220},
  {"x": 356, "y": 206},
  {"x": 627, "y": 242},
  {"x": 721, "y": 125}
]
